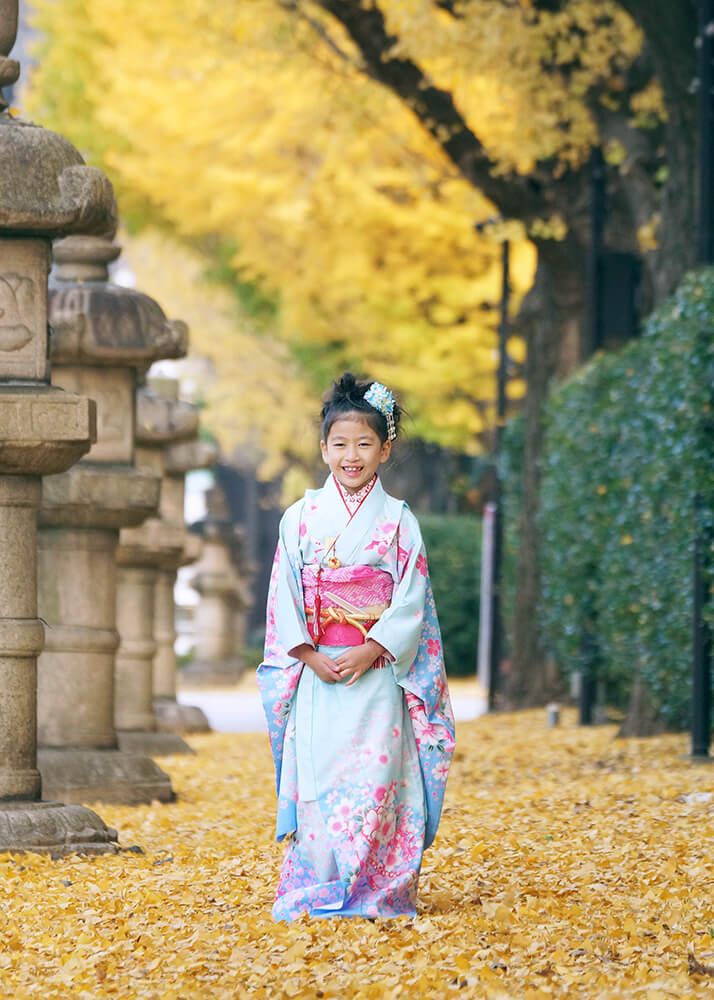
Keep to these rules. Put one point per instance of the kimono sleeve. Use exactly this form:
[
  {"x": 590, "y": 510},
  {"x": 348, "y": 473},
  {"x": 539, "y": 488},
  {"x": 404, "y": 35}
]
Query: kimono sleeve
[
  {"x": 286, "y": 611},
  {"x": 399, "y": 628}
]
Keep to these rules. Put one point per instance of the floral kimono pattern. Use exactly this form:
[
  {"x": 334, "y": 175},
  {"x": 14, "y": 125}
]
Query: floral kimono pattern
[{"x": 361, "y": 770}]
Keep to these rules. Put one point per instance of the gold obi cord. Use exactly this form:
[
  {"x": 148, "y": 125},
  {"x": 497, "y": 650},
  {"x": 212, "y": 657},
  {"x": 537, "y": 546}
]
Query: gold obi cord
[{"x": 341, "y": 615}]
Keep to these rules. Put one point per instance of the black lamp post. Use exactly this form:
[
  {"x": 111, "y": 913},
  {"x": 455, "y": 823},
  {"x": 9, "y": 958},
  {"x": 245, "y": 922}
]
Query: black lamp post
[
  {"x": 702, "y": 636},
  {"x": 593, "y": 339},
  {"x": 495, "y": 634},
  {"x": 594, "y": 283},
  {"x": 501, "y": 402}
]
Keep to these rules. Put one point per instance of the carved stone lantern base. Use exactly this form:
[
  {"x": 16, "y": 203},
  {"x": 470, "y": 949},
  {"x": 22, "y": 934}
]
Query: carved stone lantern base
[
  {"x": 154, "y": 744},
  {"x": 54, "y": 829},
  {"x": 212, "y": 673},
  {"x": 172, "y": 717},
  {"x": 102, "y": 776}
]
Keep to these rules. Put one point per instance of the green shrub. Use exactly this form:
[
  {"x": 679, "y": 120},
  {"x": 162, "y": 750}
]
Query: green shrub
[
  {"x": 629, "y": 448},
  {"x": 453, "y": 545}
]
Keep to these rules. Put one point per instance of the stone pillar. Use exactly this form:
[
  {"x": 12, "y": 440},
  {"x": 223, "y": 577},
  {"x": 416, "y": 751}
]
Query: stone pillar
[
  {"x": 243, "y": 598},
  {"x": 45, "y": 191},
  {"x": 104, "y": 337},
  {"x": 218, "y": 655},
  {"x": 179, "y": 459},
  {"x": 165, "y": 638},
  {"x": 144, "y": 553}
]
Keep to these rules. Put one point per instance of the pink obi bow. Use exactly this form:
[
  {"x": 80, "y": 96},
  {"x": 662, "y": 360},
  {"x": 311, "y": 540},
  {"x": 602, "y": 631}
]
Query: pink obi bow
[{"x": 341, "y": 605}]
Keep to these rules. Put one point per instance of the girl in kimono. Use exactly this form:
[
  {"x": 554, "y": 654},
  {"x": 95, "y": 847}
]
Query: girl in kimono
[{"x": 353, "y": 681}]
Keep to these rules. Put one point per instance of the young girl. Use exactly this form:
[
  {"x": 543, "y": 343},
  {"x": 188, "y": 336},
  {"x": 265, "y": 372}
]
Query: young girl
[{"x": 353, "y": 680}]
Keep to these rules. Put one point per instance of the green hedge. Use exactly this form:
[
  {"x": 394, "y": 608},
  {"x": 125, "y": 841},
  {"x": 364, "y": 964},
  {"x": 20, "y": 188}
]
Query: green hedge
[
  {"x": 453, "y": 545},
  {"x": 629, "y": 447}
]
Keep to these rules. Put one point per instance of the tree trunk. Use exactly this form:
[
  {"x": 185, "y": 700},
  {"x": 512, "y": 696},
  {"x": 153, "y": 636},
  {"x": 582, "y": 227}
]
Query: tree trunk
[
  {"x": 677, "y": 230},
  {"x": 550, "y": 320},
  {"x": 641, "y": 718},
  {"x": 670, "y": 28}
]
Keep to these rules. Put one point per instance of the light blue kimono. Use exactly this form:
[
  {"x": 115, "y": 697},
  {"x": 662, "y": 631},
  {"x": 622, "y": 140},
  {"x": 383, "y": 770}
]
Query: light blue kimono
[{"x": 361, "y": 770}]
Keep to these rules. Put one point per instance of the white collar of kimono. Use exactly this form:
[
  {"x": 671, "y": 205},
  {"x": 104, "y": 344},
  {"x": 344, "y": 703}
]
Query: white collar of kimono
[
  {"x": 368, "y": 494},
  {"x": 329, "y": 515},
  {"x": 353, "y": 500}
]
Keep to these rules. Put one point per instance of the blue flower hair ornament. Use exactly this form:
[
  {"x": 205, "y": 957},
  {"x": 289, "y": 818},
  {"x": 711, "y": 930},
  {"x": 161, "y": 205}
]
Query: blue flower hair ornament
[{"x": 382, "y": 399}]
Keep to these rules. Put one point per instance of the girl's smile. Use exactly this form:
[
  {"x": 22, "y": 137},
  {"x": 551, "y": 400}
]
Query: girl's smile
[{"x": 354, "y": 452}]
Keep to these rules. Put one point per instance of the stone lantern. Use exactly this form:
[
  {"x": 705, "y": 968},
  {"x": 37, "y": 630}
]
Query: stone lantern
[
  {"x": 222, "y": 595},
  {"x": 145, "y": 554},
  {"x": 178, "y": 458},
  {"x": 46, "y": 191},
  {"x": 104, "y": 339}
]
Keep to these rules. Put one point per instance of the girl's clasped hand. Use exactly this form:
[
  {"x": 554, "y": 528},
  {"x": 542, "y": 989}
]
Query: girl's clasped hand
[{"x": 354, "y": 662}]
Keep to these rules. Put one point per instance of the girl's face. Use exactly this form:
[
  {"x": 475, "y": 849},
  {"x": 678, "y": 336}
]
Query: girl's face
[{"x": 354, "y": 451}]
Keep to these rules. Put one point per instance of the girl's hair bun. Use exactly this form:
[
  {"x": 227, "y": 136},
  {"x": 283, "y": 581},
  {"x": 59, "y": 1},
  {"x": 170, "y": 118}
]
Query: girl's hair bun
[{"x": 346, "y": 387}]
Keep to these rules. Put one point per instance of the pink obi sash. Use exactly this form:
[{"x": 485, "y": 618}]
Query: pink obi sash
[{"x": 342, "y": 605}]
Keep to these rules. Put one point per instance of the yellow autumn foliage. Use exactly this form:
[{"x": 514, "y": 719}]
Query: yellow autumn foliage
[
  {"x": 252, "y": 124},
  {"x": 518, "y": 76},
  {"x": 568, "y": 864},
  {"x": 250, "y": 376}
]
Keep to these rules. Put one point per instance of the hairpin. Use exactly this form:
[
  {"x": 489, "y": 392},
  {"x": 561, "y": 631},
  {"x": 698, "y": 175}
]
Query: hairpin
[{"x": 382, "y": 399}]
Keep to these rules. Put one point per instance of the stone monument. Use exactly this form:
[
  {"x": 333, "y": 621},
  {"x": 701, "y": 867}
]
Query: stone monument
[
  {"x": 46, "y": 191},
  {"x": 104, "y": 338},
  {"x": 178, "y": 459},
  {"x": 223, "y": 598},
  {"x": 144, "y": 553}
]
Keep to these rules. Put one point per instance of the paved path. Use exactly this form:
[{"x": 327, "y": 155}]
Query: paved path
[{"x": 238, "y": 710}]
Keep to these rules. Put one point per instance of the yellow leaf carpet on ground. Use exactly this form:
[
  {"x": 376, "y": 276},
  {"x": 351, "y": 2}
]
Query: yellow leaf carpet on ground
[{"x": 568, "y": 864}]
